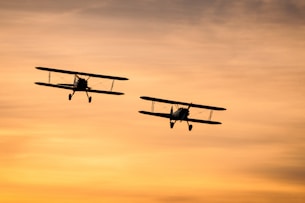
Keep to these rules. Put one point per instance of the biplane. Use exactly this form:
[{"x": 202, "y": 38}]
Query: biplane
[
  {"x": 79, "y": 84},
  {"x": 182, "y": 113}
]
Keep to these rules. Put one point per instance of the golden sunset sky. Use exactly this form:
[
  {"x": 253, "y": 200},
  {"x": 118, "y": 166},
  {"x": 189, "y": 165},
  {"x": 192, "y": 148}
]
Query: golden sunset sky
[{"x": 246, "y": 56}]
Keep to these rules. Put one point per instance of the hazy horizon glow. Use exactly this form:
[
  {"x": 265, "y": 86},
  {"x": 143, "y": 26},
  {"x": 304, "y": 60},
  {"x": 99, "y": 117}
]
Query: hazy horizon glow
[{"x": 247, "y": 56}]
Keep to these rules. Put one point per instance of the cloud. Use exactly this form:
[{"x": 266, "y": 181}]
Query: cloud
[
  {"x": 235, "y": 196},
  {"x": 217, "y": 52},
  {"x": 178, "y": 198},
  {"x": 288, "y": 167},
  {"x": 12, "y": 147},
  {"x": 42, "y": 6},
  {"x": 177, "y": 12},
  {"x": 218, "y": 11}
]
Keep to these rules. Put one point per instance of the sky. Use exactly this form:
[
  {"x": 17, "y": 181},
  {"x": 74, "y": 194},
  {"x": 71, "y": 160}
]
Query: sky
[{"x": 246, "y": 56}]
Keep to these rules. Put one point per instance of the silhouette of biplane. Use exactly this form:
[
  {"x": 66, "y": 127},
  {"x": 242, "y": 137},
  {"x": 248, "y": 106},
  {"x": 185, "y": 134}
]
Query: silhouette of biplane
[
  {"x": 80, "y": 84},
  {"x": 182, "y": 113}
]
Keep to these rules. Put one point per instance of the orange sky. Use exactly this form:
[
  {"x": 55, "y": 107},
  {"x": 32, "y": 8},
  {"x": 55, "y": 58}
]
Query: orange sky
[{"x": 246, "y": 56}]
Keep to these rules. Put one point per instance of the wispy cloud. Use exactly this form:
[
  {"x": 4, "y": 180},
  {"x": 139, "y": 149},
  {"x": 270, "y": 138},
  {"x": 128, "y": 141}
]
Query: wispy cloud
[
  {"x": 180, "y": 11},
  {"x": 287, "y": 168},
  {"x": 247, "y": 56}
]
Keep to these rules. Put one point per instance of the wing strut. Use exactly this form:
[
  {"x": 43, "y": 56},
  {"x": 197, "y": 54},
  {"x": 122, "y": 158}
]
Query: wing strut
[
  {"x": 211, "y": 113},
  {"x": 152, "y": 106},
  {"x": 49, "y": 76},
  {"x": 112, "y": 85}
]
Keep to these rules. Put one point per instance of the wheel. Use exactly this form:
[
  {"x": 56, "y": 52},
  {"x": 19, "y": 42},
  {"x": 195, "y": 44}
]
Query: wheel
[
  {"x": 172, "y": 124},
  {"x": 70, "y": 96},
  {"x": 90, "y": 98},
  {"x": 190, "y": 127}
]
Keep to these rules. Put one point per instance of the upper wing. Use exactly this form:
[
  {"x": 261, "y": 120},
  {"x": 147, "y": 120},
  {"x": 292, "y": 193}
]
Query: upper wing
[
  {"x": 183, "y": 103},
  {"x": 164, "y": 115},
  {"x": 69, "y": 87},
  {"x": 82, "y": 73}
]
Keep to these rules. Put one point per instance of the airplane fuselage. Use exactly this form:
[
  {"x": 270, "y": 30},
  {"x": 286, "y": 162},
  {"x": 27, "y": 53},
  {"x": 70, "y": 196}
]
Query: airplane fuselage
[
  {"x": 180, "y": 114},
  {"x": 80, "y": 84}
]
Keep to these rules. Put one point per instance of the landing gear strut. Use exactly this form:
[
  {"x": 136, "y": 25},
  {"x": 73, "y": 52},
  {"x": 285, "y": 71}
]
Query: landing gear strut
[
  {"x": 172, "y": 124},
  {"x": 89, "y": 98},
  {"x": 190, "y": 127}
]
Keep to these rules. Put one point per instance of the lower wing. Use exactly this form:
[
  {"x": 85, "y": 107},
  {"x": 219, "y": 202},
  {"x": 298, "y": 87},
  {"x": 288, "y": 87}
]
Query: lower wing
[
  {"x": 105, "y": 92},
  {"x": 202, "y": 121},
  {"x": 62, "y": 86},
  {"x": 70, "y": 87},
  {"x": 163, "y": 115},
  {"x": 166, "y": 115}
]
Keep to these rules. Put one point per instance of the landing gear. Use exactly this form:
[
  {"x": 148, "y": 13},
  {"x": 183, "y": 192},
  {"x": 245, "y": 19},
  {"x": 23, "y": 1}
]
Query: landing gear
[
  {"x": 190, "y": 127},
  {"x": 89, "y": 98},
  {"x": 171, "y": 124},
  {"x": 71, "y": 95}
]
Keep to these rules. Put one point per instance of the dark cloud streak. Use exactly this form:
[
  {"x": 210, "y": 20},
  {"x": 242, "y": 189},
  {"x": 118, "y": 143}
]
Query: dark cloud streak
[
  {"x": 179, "y": 11},
  {"x": 288, "y": 167},
  {"x": 218, "y": 11}
]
